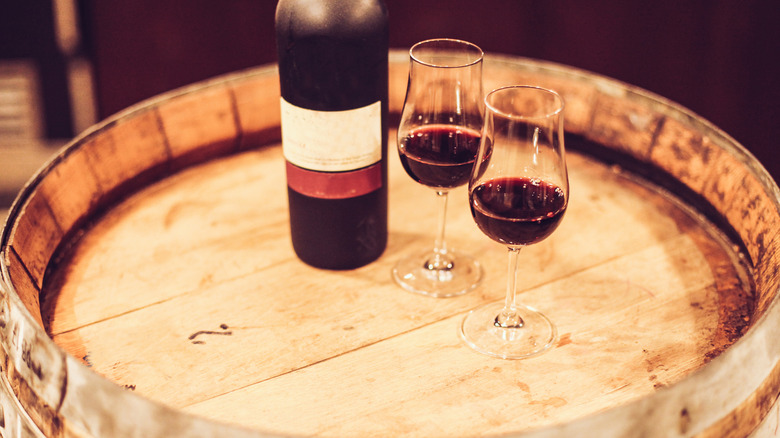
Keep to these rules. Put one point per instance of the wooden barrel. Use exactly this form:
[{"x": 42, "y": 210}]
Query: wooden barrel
[{"x": 149, "y": 288}]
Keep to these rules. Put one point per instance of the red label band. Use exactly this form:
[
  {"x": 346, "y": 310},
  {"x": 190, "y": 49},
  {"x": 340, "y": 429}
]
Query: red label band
[{"x": 334, "y": 185}]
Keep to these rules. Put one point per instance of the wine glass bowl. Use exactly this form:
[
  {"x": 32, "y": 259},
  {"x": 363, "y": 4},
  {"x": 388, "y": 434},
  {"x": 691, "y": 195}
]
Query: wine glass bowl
[
  {"x": 518, "y": 194},
  {"x": 438, "y": 139}
]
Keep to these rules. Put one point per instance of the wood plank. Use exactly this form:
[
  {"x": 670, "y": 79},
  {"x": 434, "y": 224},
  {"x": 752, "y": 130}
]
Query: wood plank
[
  {"x": 200, "y": 124},
  {"x": 240, "y": 216},
  {"x": 35, "y": 237},
  {"x": 70, "y": 191},
  {"x": 425, "y": 382},
  {"x": 109, "y": 160},
  {"x": 257, "y": 109}
]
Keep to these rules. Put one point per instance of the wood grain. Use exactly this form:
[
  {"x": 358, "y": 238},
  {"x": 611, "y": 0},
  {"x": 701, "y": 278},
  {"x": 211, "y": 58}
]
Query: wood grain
[
  {"x": 200, "y": 267},
  {"x": 154, "y": 250}
]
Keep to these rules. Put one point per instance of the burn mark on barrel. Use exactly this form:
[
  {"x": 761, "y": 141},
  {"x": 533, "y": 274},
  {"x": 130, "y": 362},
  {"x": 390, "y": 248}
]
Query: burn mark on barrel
[
  {"x": 224, "y": 332},
  {"x": 28, "y": 360},
  {"x": 685, "y": 420},
  {"x": 655, "y": 363},
  {"x": 63, "y": 384}
]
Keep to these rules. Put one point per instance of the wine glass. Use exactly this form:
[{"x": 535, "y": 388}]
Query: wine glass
[
  {"x": 518, "y": 194},
  {"x": 438, "y": 138}
]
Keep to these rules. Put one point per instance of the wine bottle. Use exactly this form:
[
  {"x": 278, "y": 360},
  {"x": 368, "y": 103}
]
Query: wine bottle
[{"x": 333, "y": 61}]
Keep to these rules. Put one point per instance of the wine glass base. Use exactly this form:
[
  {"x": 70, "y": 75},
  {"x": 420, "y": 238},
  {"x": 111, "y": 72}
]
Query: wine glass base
[
  {"x": 455, "y": 275},
  {"x": 479, "y": 331}
]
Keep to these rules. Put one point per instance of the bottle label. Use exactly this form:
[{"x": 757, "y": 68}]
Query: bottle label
[
  {"x": 332, "y": 154},
  {"x": 332, "y": 141}
]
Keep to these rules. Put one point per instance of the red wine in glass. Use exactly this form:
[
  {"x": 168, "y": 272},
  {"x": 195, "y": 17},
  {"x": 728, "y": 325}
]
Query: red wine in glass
[
  {"x": 439, "y": 156},
  {"x": 517, "y": 211},
  {"x": 438, "y": 139},
  {"x": 518, "y": 194}
]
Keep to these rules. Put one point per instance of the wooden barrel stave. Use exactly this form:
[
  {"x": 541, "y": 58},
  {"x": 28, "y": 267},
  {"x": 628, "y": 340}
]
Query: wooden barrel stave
[{"x": 755, "y": 221}]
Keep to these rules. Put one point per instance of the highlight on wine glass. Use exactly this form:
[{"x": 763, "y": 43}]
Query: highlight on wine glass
[
  {"x": 438, "y": 138},
  {"x": 518, "y": 194}
]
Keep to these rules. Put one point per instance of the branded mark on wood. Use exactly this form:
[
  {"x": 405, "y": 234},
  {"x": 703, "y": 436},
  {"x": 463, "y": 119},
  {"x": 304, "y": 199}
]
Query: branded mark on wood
[{"x": 224, "y": 332}]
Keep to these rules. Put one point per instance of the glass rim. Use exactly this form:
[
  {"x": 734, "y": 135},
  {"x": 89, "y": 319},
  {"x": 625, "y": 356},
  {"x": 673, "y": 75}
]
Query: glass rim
[
  {"x": 558, "y": 110},
  {"x": 480, "y": 54}
]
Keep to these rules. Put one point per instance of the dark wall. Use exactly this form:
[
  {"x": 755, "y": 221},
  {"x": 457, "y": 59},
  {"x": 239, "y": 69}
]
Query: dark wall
[
  {"x": 27, "y": 33},
  {"x": 717, "y": 58}
]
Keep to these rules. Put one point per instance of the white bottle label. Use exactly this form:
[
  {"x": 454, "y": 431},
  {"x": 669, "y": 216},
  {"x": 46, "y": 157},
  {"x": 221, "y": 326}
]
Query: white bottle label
[{"x": 332, "y": 141}]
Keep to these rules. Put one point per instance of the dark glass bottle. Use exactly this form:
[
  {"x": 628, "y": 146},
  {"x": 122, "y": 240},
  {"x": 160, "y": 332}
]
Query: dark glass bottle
[{"x": 333, "y": 60}]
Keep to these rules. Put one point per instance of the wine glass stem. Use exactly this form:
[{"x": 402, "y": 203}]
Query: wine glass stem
[
  {"x": 440, "y": 262},
  {"x": 508, "y": 318},
  {"x": 439, "y": 246}
]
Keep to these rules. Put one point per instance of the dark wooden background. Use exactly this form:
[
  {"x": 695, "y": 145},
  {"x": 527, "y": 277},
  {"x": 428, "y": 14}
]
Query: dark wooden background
[{"x": 718, "y": 58}]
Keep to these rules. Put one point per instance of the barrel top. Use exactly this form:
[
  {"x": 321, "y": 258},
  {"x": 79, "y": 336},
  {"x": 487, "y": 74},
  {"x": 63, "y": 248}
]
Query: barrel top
[{"x": 147, "y": 267}]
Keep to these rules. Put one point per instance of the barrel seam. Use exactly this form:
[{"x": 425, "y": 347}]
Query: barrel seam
[{"x": 236, "y": 119}]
